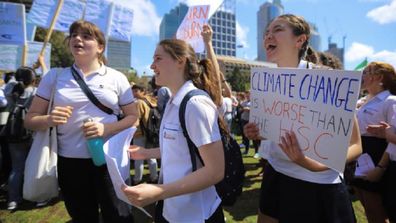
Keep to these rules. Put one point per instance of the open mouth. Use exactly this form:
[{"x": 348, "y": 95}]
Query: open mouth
[
  {"x": 78, "y": 46},
  {"x": 270, "y": 47}
]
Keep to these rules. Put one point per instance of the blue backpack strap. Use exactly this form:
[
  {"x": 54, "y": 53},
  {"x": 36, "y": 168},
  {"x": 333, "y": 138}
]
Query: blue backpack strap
[{"x": 182, "y": 114}]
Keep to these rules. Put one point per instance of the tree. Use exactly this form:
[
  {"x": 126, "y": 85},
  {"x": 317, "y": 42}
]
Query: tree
[
  {"x": 60, "y": 54},
  {"x": 238, "y": 80}
]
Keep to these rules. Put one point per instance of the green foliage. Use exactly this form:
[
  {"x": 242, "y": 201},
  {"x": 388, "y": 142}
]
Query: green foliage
[
  {"x": 238, "y": 80},
  {"x": 60, "y": 54}
]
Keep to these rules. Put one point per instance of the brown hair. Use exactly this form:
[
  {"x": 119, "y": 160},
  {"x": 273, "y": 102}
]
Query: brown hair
[
  {"x": 387, "y": 72},
  {"x": 299, "y": 27},
  {"x": 201, "y": 73},
  {"x": 93, "y": 30}
]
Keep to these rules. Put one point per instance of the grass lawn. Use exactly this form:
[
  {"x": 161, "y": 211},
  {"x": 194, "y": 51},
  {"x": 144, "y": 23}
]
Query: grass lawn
[{"x": 245, "y": 210}]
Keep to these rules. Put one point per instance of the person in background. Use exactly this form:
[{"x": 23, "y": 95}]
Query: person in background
[
  {"x": 379, "y": 80},
  {"x": 330, "y": 60},
  {"x": 139, "y": 139},
  {"x": 85, "y": 188},
  {"x": 294, "y": 187},
  {"x": 162, "y": 93},
  {"x": 21, "y": 94},
  {"x": 386, "y": 169},
  {"x": 188, "y": 196}
]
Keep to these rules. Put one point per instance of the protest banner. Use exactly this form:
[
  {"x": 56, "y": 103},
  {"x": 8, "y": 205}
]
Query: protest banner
[
  {"x": 117, "y": 25},
  {"x": 43, "y": 12},
  {"x": 12, "y": 23},
  {"x": 11, "y": 55},
  {"x": 99, "y": 13},
  {"x": 317, "y": 105},
  {"x": 191, "y": 27},
  {"x": 121, "y": 23}
]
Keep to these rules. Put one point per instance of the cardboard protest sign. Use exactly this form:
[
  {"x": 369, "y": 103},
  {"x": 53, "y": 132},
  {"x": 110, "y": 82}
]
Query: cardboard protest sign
[
  {"x": 43, "y": 11},
  {"x": 11, "y": 55},
  {"x": 121, "y": 23},
  {"x": 191, "y": 27},
  {"x": 318, "y": 105},
  {"x": 12, "y": 23},
  {"x": 99, "y": 13}
]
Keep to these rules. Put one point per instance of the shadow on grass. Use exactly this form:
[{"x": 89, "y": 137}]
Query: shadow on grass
[{"x": 246, "y": 205}]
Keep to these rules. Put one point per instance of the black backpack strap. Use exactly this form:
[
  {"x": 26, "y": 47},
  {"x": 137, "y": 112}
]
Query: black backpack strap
[
  {"x": 89, "y": 93},
  {"x": 182, "y": 113}
]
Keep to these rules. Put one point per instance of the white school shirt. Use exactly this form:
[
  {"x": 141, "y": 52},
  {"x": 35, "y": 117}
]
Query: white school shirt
[
  {"x": 377, "y": 109},
  {"x": 108, "y": 85},
  {"x": 281, "y": 162},
  {"x": 391, "y": 149},
  {"x": 201, "y": 124}
]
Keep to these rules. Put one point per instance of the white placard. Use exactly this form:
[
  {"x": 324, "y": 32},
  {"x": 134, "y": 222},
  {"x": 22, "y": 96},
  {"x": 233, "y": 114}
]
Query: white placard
[
  {"x": 121, "y": 23},
  {"x": 191, "y": 27},
  {"x": 12, "y": 23},
  {"x": 42, "y": 12},
  {"x": 11, "y": 55},
  {"x": 318, "y": 105},
  {"x": 98, "y": 12}
]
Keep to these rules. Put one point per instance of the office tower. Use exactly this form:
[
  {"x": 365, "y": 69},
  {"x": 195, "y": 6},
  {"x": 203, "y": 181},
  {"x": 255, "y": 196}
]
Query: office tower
[
  {"x": 171, "y": 21},
  {"x": 223, "y": 23},
  {"x": 267, "y": 12},
  {"x": 315, "y": 37},
  {"x": 119, "y": 54}
]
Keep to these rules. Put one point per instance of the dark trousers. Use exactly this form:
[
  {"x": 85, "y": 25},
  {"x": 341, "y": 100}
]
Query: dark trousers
[
  {"x": 217, "y": 216},
  {"x": 86, "y": 188}
]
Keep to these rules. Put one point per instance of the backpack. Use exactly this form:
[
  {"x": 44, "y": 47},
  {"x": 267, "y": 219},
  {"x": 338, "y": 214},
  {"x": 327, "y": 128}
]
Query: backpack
[
  {"x": 230, "y": 187},
  {"x": 14, "y": 130},
  {"x": 152, "y": 127}
]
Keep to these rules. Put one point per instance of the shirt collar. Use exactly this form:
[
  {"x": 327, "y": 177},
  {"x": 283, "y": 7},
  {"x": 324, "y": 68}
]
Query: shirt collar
[
  {"x": 101, "y": 71},
  {"x": 178, "y": 97},
  {"x": 383, "y": 95}
]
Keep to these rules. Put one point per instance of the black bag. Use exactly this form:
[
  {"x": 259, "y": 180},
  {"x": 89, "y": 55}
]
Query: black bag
[
  {"x": 152, "y": 127},
  {"x": 14, "y": 130},
  {"x": 231, "y": 186}
]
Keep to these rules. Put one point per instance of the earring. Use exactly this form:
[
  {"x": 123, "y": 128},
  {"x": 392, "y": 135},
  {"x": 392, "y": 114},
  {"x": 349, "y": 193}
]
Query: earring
[{"x": 380, "y": 84}]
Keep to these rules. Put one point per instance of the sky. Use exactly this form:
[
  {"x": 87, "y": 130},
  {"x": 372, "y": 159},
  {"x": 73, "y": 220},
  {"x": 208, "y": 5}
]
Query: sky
[{"x": 368, "y": 25}]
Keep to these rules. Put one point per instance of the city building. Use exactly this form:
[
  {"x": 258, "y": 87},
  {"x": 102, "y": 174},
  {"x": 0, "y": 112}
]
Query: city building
[
  {"x": 314, "y": 41},
  {"x": 118, "y": 55},
  {"x": 228, "y": 64},
  {"x": 338, "y": 52},
  {"x": 223, "y": 23},
  {"x": 171, "y": 21},
  {"x": 267, "y": 12}
]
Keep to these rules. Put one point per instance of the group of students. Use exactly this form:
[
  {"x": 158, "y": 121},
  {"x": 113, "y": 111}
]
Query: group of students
[{"x": 294, "y": 187}]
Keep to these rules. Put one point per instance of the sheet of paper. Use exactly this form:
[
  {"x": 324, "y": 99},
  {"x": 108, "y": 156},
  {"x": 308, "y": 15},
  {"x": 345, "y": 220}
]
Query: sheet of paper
[
  {"x": 364, "y": 165},
  {"x": 117, "y": 160}
]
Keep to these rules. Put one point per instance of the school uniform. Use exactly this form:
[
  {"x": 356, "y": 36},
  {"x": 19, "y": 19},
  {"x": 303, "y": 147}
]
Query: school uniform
[
  {"x": 201, "y": 124},
  {"x": 377, "y": 109},
  {"x": 86, "y": 187},
  {"x": 390, "y": 179},
  {"x": 291, "y": 193}
]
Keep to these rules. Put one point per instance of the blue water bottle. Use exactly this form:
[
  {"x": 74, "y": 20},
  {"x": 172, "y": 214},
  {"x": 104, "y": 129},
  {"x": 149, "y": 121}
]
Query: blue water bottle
[{"x": 95, "y": 148}]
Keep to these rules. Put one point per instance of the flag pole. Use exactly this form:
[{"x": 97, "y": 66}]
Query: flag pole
[{"x": 51, "y": 28}]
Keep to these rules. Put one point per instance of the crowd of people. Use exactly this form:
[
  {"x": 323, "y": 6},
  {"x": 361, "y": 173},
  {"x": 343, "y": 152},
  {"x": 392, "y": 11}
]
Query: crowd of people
[{"x": 289, "y": 178}]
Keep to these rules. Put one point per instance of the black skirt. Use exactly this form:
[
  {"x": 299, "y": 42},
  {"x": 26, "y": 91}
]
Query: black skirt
[{"x": 375, "y": 147}]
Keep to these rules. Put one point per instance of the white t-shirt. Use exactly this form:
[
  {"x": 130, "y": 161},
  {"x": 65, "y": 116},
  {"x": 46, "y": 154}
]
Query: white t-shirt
[
  {"x": 377, "y": 109},
  {"x": 201, "y": 124},
  {"x": 281, "y": 162},
  {"x": 108, "y": 85},
  {"x": 391, "y": 149}
]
